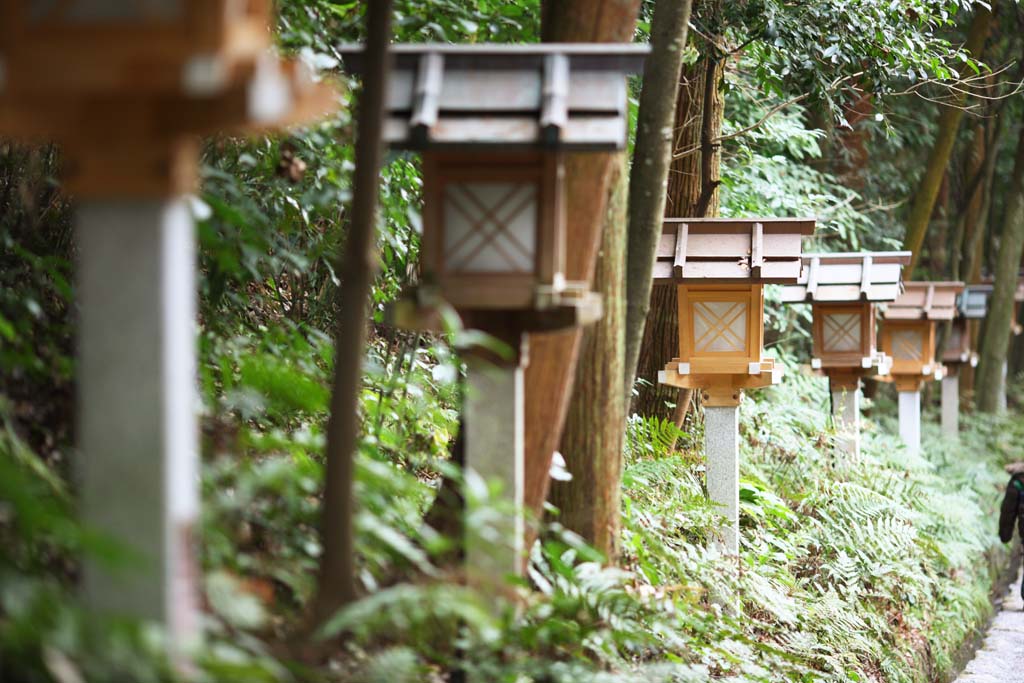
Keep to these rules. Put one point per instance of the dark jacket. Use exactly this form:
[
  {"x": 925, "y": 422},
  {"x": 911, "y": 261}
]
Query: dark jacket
[{"x": 1013, "y": 506}]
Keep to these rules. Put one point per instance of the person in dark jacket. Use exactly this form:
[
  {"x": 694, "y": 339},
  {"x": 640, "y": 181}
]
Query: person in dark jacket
[{"x": 1013, "y": 510}]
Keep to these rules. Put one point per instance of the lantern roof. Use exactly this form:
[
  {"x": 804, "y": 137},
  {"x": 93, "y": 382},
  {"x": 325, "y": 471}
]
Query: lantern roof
[
  {"x": 925, "y": 301},
  {"x": 848, "y": 277},
  {"x": 546, "y": 95},
  {"x": 731, "y": 250},
  {"x": 973, "y": 301}
]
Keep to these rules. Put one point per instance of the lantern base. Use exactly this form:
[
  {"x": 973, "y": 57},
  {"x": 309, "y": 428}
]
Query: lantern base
[
  {"x": 720, "y": 389},
  {"x": 422, "y": 309}
]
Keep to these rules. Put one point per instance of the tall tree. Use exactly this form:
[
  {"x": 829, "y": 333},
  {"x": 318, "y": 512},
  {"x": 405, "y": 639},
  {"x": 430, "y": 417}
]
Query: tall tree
[
  {"x": 594, "y": 429},
  {"x": 692, "y": 191},
  {"x": 938, "y": 158},
  {"x": 553, "y": 357},
  {"x": 989, "y": 382},
  {"x": 590, "y": 502},
  {"x": 336, "y": 580},
  {"x": 652, "y": 157}
]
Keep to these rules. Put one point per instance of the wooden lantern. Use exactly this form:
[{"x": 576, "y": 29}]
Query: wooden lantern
[
  {"x": 125, "y": 87},
  {"x": 720, "y": 267},
  {"x": 908, "y": 335},
  {"x": 958, "y": 349},
  {"x": 493, "y": 122},
  {"x": 844, "y": 290},
  {"x": 97, "y": 45}
]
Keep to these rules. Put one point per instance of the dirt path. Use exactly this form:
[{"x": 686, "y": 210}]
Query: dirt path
[{"x": 1001, "y": 657}]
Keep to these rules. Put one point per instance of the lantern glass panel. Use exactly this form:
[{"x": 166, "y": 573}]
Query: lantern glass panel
[
  {"x": 907, "y": 345},
  {"x": 490, "y": 227},
  {"x": 720, "y": 326},
  {"x": 841, "y": 332}
]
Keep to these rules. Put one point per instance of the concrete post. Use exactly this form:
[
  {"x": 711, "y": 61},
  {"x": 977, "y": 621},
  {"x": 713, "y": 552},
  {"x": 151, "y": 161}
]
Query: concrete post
[
  {"x": 494, "y": 450},
  {"x": 846, "y": 412},
  {"x": 136, "y": 406},
  {"x": 721, "y": 447},
  {"x": 951, "y": 405},
  {"x": 1001, "y": 404},
  {"x": 910, "y": 420}
]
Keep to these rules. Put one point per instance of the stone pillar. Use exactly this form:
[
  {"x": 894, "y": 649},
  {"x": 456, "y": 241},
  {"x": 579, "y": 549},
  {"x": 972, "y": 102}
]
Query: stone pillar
[
  {"x": 910, "y": 419},
  {"x": 846, "y": 413},
  {"x": 721, "y": 448},
  {"x": 951, "y": 405},
  {"x": 138, "y": 468},
  {"x": 1001, "y": 405},
  {"x": 494, "y": 451}
]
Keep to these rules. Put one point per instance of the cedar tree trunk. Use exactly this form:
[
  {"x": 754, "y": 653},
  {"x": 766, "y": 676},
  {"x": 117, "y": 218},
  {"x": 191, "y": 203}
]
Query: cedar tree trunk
[
  {"x": 1001, "y": 305},
  {"x": 938, "y": 158},
  {"x": 590, "y": 503},
  {"x": 692, "y": 192},
  {"x": 553, "y": 357}
]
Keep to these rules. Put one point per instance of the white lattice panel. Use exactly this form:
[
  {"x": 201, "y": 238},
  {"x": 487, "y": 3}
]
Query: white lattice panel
[
  {"x": 907, "y": 345},
  {"x": 841, "y": 332},
  {"x": 720, "y": 326},
  {"x": 490, "y": 227}
]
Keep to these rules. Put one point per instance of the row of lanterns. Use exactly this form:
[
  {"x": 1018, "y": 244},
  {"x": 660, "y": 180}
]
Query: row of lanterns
[{"x": 126, "y": 87}]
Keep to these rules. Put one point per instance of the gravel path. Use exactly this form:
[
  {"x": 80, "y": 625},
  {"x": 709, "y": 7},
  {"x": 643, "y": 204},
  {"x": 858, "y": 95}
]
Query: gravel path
[{"x": 1001, "y": 657}]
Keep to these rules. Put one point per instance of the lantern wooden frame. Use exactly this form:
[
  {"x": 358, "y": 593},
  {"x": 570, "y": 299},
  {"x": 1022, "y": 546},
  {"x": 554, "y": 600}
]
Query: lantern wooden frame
[
  {"x": 916, "y": 312},
  {"x": 847, "y": 284},
  {"x": 501, "y": 114},
  {"x": 958, "y": 350},
  {"x": 127, "y": 96},
  {"x": 204, "y": 35},
  {"x": 726, "y": 262},
  {"x": 472, "y": 289}
]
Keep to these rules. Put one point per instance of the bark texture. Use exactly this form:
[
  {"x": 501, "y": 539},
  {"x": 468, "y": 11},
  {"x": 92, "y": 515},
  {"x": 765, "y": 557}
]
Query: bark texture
[
  {"x": 990, "y": 383},
  {"x": 652, "y": 157},
  {"x": 590, "y": 503},
  {"x": 938, "y": 158},
  {"x": 692, "y": 192},
  {"x": 553, "y": 356},
  {"x": 336, "y": 580}
]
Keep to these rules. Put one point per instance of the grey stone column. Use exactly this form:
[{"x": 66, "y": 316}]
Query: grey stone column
[
  {"x": 910, "y": 420},
  {"x": 846, "y": 412},
  {"x": 721, "y": 447},
  {"x": 495, "y": 451},
  {"x": 138, "y": 465},
  {"x": 951, "y": 405}
]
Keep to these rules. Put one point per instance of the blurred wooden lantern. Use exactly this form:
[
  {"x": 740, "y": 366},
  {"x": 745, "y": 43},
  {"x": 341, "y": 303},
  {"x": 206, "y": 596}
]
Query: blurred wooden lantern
[
  {"x": 90, "y": 45},
  {"x": 720, "y": 267},
  {"x": 493, "y": 122},
  {"x": 959, "y": 349},
  {"x": 908, "y": 335},
  {"x": 125, "y": 87},
  {"x": 843, "y": 289}
]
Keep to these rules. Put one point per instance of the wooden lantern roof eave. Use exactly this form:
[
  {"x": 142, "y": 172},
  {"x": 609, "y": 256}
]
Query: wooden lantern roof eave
[
  {"x": 730, "y": 251},
  {"x": 848, "y": 277},
  {"x": 550, "y": 96},
  {"x": 926, "y": 301}
]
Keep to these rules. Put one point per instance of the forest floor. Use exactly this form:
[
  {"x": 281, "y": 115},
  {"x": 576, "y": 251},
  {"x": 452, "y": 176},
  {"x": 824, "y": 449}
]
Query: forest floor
[{"x": 1001, "y": 657}]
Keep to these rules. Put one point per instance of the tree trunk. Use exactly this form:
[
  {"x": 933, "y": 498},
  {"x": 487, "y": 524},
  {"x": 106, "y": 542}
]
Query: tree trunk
[
  {"x": 592, "y": 443},
  {"x": 1001, "y": 305},
  {"x": 553, "y": 356},
  {"x": 692, "y": 192},
  {"x": 652, "y": 157},
  {"x": 938, "y": 158},
  {"x": 336, "y": 580},
  {"x": 590, "y": 503}
]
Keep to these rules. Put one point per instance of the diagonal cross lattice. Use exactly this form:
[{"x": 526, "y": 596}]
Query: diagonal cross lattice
[
  {"x": 720, "y": 326},
  {"x": 906, "y": 345},
  {"x": 490, "y": 225},
  {"x": 842, "y": 332}
]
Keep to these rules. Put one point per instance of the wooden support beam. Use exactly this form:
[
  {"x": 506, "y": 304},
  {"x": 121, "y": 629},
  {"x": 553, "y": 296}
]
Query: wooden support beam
[
  {"x": 554, "y": 115},
  {"x": 426, "y": 97},
  {"x": 679, "y": 264},
  {"x": 756, "y": 250}
]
